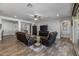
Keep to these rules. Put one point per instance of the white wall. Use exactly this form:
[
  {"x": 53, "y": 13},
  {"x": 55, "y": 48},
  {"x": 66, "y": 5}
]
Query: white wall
[
  {"x": 25, "y": 26},
  {"x": 9, "y": 27},
  {"x": 53, "y": 24}
]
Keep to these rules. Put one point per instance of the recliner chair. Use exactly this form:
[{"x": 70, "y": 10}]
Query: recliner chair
[
  {"x": 48, "y": 41},
  {"x": 43, "y": 30}
]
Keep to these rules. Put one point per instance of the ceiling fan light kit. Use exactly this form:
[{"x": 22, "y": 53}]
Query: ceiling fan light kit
[{"x": 36, "y": 17}]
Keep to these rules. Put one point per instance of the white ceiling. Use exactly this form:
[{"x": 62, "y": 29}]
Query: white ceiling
[{"x": 21, "y": 11}]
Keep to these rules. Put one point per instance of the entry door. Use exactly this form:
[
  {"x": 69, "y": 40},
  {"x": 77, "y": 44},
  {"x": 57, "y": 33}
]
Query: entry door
[{"x": 76, "y": 31}]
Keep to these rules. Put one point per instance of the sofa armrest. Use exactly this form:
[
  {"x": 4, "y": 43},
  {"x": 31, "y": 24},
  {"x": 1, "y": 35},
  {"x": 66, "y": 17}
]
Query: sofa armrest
[{"x": 43, "y": 40}]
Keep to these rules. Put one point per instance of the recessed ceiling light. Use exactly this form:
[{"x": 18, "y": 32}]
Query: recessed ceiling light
[
  {"x": 57, "y": 15},
  {"x": 35, "y": 19},
  {"x": 14, "y": 16}
]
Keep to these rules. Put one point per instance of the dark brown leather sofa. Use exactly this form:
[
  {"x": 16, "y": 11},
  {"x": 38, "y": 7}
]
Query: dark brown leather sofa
[{"x": 21, "y": 36}]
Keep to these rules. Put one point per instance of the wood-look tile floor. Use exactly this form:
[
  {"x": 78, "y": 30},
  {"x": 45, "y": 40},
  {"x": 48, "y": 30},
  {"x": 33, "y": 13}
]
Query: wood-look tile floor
[{"x": 10, "y": 46}]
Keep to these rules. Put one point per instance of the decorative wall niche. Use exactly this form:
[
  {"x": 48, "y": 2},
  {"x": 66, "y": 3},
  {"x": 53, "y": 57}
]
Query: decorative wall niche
[{"x": 65, "y": 28}]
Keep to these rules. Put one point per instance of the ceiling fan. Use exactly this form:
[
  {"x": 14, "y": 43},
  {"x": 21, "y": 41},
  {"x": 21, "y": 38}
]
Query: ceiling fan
[{"x": 35, "y": 17}]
